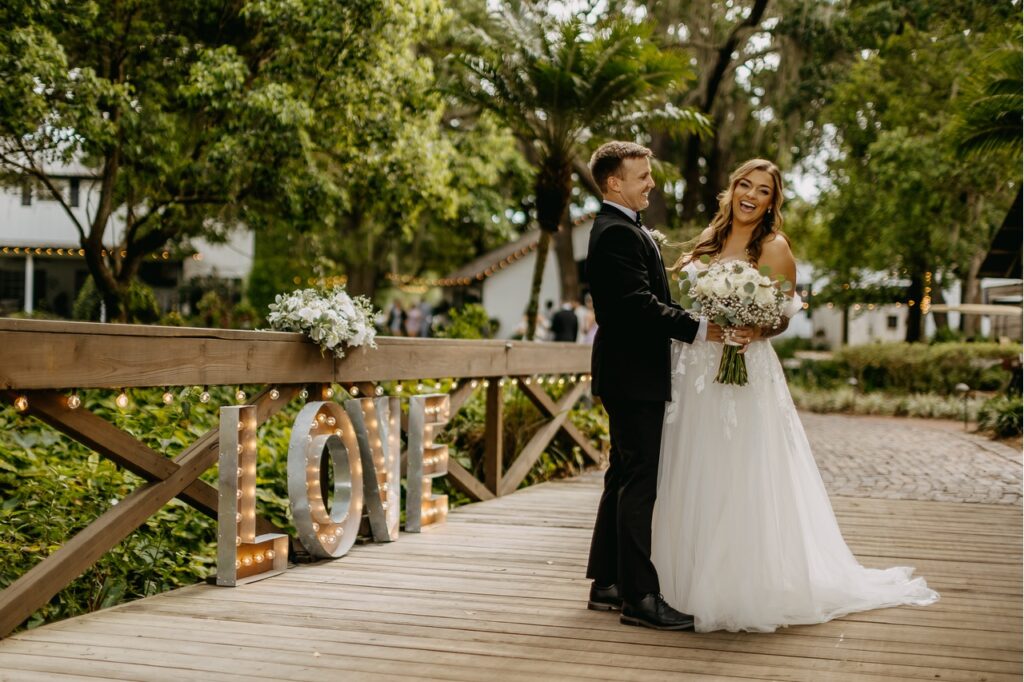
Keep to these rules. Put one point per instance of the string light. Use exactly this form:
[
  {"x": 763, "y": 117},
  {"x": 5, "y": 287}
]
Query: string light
[
  {"x": 21, "y": 403},
  {"x": 274, "y": 394},
  {"x": 74, "y": 402},
  {"x": 121, "y": 400},
  {"x": 204, "y": 396},
  {"x": 72, "y": 253},
  {"x": 240, "y": 396},
  {"x": 167, "y": 397}
]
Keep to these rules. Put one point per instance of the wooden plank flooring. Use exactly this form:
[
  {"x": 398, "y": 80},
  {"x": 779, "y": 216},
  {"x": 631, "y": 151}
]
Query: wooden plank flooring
[{"x": 498, "y": 594}]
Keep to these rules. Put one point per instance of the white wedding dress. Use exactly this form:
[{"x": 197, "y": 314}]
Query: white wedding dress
[{"x": 744, "y": 536}]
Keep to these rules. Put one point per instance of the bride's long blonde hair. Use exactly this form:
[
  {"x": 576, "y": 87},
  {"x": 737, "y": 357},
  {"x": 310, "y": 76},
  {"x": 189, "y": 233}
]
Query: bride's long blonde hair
[{"x": 721, "y": 224}]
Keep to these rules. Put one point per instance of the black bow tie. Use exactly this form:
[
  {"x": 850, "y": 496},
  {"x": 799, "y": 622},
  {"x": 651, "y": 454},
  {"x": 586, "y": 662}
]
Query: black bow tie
[{"x": 639, "y": 220}]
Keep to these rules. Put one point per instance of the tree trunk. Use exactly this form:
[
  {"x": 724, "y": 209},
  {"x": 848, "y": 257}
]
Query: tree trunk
[
  {"x": 362, "y": 280},
  {"x": 915, "y": 320},
  {"x": 657, "y": 213},
  {"x": 970, "y": 325},
  {"x": 845, "y": 335},
  {"x": 553, "y": 188},
  {"x": 538, "y": 279},
  {"x": 567, "y": 269}
]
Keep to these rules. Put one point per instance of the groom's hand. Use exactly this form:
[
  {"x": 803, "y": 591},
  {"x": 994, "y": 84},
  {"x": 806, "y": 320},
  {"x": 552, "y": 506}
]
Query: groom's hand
[{"x": 715, "y": 333}]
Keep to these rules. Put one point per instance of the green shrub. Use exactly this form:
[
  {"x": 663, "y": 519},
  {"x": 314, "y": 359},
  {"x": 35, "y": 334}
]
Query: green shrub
[
  {"x": 787, "y": 347},
  {"x": 849, "y": 401},
  {"x": 139, "y": 300},
  {"x": 468, "y": 322},
  {"x": 913, "y": 368},
  {"x": 1002, "y": 416}
]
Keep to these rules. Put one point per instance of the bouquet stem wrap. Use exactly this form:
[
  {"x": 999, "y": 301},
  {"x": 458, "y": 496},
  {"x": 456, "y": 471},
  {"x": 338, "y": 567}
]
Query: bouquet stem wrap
[{"x": 733, "y": 367}]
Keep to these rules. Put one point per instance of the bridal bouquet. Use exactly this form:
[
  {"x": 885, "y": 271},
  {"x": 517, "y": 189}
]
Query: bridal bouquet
[
  {"x": 329, "y": 317},
  {"x": 735, "y": 294}
]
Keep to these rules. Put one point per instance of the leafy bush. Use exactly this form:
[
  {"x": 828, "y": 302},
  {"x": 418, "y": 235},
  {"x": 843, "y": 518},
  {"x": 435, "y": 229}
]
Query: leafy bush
[
  {"x": 1002, "y": 416},
  {"x": 847, "y": 400},
  {"x": 468, "y": 322},
  {"x": 787, "y": 347},
  {"x": 139, "y": 300},
  {"x": 913, "y": 368}
]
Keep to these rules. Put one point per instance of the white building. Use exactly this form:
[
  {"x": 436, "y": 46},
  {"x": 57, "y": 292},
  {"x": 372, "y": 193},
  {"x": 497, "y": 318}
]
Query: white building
[
  {"x": 41, "y": 261},
  {"x": 501, "y": 278}
]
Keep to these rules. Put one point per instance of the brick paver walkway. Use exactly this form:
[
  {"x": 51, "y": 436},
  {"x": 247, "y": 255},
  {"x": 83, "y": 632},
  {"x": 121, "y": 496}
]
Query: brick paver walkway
[{"x": 911, "y": 459}]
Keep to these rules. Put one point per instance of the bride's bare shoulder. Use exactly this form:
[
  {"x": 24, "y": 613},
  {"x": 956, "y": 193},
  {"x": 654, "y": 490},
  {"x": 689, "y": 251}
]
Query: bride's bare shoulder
[{"x": 776, "y": 247}]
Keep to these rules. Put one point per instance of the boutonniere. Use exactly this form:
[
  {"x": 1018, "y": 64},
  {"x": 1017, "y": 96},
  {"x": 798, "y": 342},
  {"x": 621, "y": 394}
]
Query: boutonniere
[{"x": 659, "y": 237}]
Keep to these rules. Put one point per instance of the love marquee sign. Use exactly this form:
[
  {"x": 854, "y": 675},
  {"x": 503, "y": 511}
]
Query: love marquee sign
[{"x": 362, "y": 443}]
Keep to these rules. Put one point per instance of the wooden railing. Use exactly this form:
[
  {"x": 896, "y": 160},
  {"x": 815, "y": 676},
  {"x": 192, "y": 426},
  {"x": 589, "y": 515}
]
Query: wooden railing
[{"x": 41, "y": 362}]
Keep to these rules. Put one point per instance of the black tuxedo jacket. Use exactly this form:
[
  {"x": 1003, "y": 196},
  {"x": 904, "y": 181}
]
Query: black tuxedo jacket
[{"x": 636, "y": 317}]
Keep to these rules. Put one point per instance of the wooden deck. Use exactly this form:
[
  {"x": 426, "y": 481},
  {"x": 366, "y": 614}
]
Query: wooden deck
[{"x": 498, "y": 594}]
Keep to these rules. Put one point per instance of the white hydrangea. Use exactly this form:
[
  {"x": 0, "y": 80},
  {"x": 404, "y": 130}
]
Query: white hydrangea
[{"x": 329, "y": 317}]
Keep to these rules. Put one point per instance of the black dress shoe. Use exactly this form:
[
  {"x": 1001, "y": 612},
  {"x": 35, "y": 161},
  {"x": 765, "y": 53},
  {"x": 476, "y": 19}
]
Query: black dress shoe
[
  {"x": 652, "y": 611},
  {"x": 604, "y": 598}
]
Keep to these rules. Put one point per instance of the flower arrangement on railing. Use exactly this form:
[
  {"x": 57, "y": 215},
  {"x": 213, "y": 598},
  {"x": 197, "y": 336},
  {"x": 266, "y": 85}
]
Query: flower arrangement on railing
[{"x": 329, "y": 317}]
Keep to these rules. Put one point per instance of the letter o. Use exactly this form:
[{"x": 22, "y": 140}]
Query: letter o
[{"x": 322, "y": 426}]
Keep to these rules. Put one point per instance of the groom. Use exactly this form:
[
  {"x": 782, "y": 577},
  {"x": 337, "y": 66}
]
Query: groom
[{"x": 636, "y": 319}]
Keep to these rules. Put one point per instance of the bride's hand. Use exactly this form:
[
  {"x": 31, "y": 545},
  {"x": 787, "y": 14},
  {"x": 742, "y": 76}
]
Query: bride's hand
[
  {"x": 716, "y": 334},
  {"x": 744, "y": 335}
]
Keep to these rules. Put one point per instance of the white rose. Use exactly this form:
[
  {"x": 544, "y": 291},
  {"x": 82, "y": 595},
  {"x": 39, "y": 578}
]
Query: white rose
[
  {"x": 764, "y": 295},
  {"x": 721, "y": 287}
]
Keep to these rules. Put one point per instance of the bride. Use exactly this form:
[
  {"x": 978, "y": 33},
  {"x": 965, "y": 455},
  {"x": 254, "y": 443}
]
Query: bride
[{"x": 744, "y": 537}]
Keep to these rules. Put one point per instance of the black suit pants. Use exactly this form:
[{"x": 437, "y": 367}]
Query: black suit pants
[{"x": 620, "y": 551}]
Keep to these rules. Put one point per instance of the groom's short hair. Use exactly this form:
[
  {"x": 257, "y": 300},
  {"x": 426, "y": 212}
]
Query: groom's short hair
[{"x": 607, "y": 160}]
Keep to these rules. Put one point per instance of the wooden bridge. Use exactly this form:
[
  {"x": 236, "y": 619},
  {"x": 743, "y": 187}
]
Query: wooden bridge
[{"x": 495, "y": 593}]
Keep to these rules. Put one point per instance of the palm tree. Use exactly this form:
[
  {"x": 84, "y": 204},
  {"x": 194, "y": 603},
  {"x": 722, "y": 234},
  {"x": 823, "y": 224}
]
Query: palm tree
[
  {"x": 557, "y": 82},
  {"x": 990, "y": 120}
]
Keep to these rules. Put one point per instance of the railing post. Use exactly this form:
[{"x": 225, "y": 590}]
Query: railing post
[{"x": 493, "y": 429}]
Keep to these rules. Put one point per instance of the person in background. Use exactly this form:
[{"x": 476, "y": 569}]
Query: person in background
[
  {"x": 413, "y": 320},
  {"x": 564, "y": 325},
  {"x": 427, "y": 313},
  {"x": 395, "y": 322},
  {"x": 588, "y": 328}
]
